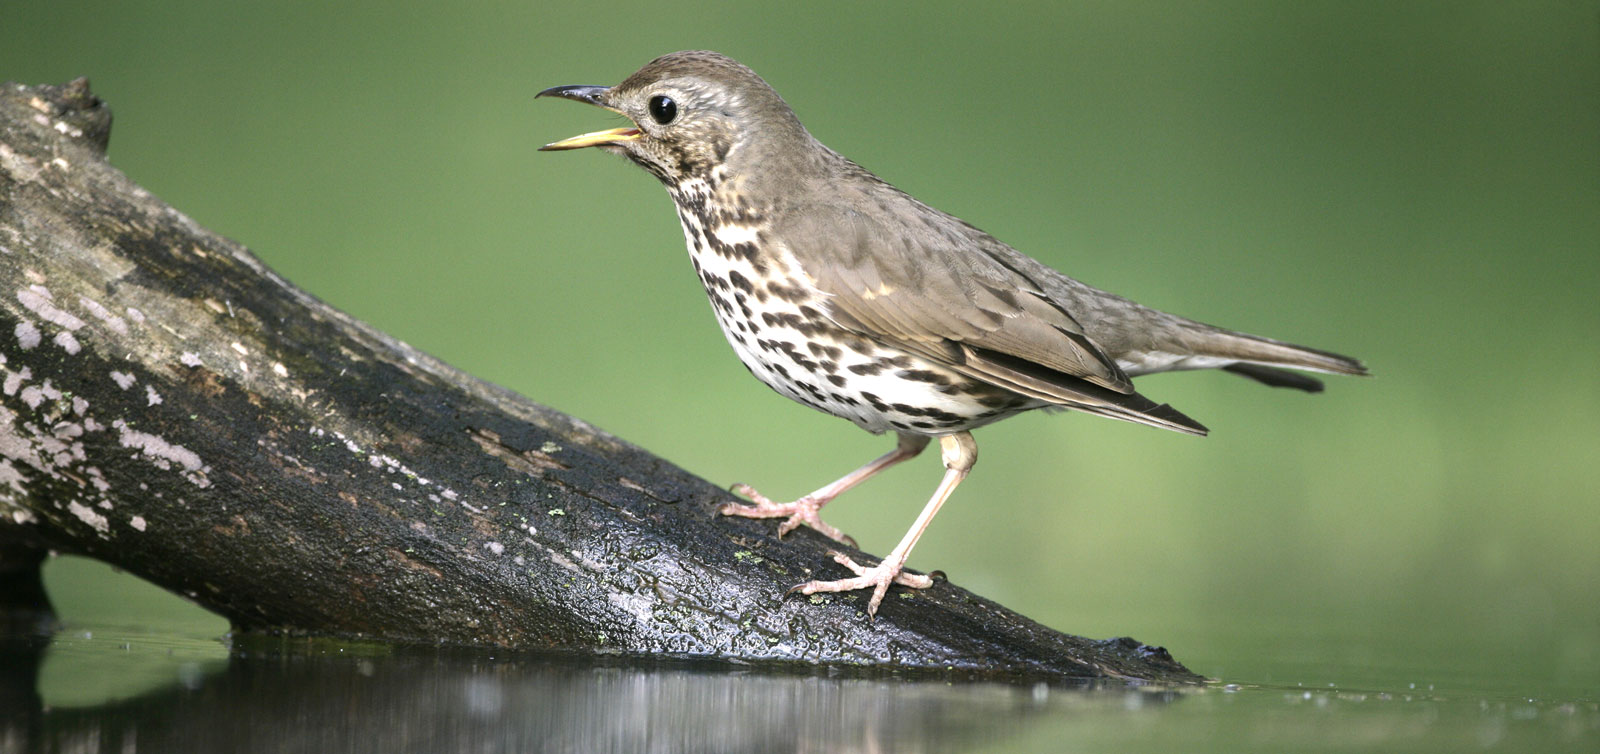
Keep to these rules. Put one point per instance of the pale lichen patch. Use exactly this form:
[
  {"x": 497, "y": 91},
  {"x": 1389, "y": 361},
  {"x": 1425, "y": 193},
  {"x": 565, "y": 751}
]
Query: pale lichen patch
[
  {"x": 24, "y": 168},
  {"x": 136, "y": 315},
  {"x": 97, "y": 479},
  {"x": 495, "y": 547},
  {"x": 137, "y": 522},
  {"x": 152, "y": 397},
  {"x": 27, "y": 334},
  {"x": 14, "y": 380},
  {"x": 39, "y": 301},
  {"x": 163, "y": 454},
  {"x": 190, "y": 359},
  {"x": 10, "y": 476},
  {"x": 123, "y": 379},
  {"x": 112, "y": 321},
  {"x": 88, "y": 515},
  {"x": 67, "y": 342},
  {"x": 560, "y": 560}
]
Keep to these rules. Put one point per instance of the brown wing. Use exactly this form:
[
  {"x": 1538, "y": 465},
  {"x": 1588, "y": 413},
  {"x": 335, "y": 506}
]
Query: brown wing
[{"x": 924, "y": 283}]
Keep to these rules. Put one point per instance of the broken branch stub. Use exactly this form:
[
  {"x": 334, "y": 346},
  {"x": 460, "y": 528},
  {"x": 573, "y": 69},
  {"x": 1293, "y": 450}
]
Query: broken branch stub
[{"x": 174, "y": 408}]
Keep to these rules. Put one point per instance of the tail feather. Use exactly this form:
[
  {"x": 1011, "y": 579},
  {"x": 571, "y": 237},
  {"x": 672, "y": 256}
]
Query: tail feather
[
  {"x": 1260, "y": 355},
  {"x": 1276, "y": 377}
]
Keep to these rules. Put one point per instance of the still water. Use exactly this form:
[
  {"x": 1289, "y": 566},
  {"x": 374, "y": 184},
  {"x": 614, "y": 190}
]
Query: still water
[
  {"x": 175, "y": 684},
  {"x": 100, "y": 688}
]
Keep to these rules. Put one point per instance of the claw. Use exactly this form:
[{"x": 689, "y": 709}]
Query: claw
[
  {"x": 878, "y": 577},
  {"x": 802, "y": 511}
]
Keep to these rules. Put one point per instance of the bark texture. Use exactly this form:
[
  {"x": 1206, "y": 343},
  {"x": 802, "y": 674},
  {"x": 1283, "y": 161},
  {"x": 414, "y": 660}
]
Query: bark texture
[{"x": 174, "y": 408}]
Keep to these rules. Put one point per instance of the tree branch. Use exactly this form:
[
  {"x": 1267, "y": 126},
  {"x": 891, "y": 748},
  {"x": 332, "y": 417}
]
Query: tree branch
[{"x": 174, "y": 408}]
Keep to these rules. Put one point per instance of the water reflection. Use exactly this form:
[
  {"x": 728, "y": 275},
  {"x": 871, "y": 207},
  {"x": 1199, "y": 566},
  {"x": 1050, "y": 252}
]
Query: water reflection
[{"x": 270, "y": 695}]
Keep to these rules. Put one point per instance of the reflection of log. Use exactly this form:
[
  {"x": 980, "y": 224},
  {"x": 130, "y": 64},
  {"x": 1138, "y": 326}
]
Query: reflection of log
[
  {"x": 315, "y": 698},
  {"x": 174, "y": 408}
]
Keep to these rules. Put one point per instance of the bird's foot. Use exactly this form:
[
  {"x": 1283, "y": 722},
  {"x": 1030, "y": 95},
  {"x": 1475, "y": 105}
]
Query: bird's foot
[
  {"x": 878, "y": 578},
  {"x": 802, "y": 511}
]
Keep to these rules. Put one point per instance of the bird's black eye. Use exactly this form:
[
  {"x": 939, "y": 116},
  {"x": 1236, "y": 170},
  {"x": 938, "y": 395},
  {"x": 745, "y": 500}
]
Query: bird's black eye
[{"x": 663, "y": 109}]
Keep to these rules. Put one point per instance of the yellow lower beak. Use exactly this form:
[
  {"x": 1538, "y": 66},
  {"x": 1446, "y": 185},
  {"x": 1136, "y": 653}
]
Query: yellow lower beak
[{"x": 596, "y": 139}]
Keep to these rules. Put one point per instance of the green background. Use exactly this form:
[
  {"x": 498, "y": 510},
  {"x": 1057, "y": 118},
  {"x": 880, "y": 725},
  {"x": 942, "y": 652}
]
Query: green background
[{"x": 1416, "y": 184}]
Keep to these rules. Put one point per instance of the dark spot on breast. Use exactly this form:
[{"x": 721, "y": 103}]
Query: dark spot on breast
[
  {"x": 944, "y": 417},
  {"x": 923, "y": 375},
  {"x": 792, "y": 293},
  {"x": 856, "y": 343},
  {"x": 997, "y": 400},
  {"x": 818, "y": 349},
  {"x": 798, "y": 358}
]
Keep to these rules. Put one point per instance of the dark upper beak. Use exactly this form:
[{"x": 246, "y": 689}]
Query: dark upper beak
[{"x": 590, "y": 95}]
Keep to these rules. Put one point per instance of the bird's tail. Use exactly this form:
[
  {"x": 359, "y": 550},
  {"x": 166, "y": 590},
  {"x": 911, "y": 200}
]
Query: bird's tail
[{"x": 1264, "y": 359}]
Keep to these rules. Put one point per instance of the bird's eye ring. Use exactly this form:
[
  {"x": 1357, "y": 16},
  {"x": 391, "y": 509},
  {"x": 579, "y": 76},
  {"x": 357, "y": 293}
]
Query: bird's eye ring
[{"x": 663, "y": 109}]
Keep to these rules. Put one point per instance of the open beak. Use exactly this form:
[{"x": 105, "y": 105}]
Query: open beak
[{"x": 590, "y": 95}]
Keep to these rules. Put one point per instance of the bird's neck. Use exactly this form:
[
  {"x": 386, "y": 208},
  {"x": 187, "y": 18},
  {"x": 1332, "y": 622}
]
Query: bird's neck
[{"x": 718, "y": 219}]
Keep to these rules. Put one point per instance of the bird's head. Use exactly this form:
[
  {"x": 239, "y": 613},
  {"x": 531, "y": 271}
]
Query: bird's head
[{"x": 690, "y": 112}]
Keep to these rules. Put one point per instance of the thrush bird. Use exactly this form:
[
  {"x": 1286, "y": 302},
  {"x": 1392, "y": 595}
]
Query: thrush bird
[{"x": 844, "y": 293}]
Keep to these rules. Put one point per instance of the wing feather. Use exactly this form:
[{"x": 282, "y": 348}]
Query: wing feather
[{"x": 922, "y": 288}]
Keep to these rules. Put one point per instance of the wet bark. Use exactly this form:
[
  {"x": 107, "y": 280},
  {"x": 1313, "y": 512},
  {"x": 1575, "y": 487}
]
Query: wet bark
[{"x": 174, "y": 408}]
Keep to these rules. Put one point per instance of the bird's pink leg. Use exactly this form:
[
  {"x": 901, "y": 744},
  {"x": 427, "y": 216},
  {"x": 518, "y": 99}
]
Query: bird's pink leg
[
  {"x": 804, "y": 510},
  {"x": 960, "y": 452}
]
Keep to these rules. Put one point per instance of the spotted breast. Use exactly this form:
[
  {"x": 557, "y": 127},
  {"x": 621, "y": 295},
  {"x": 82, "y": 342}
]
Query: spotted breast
[{"x": 776, "y": 320}]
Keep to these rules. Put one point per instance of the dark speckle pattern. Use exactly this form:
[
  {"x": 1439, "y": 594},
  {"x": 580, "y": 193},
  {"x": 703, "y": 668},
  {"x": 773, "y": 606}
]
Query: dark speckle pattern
[{"x": 779, "y": 326}]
